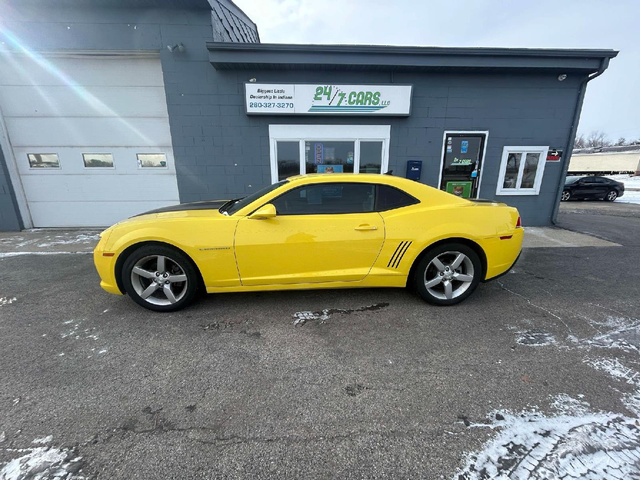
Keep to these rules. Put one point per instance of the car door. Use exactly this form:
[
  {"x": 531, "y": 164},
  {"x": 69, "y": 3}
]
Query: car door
[
  {"x": 585, "y": 188},
  {"x": 323, "y": 232}
]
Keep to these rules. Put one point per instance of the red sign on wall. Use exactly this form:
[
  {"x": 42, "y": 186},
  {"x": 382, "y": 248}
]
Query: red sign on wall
[{"x": 554, "y": 155}]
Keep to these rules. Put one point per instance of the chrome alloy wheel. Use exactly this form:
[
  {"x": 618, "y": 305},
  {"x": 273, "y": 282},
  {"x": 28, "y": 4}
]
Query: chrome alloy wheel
[
  {"x": 565, "y": 196},
  {"x": 612, "y": 195},
  {"x": 448, "y": 275},
  {"x": 159, "y": 280}
]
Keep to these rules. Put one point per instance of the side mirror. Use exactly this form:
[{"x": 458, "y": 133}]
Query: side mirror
[{"x": 264, "y": 212}]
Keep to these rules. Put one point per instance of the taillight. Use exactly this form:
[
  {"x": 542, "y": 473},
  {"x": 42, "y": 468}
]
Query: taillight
[{"x": 519, "y": 223}]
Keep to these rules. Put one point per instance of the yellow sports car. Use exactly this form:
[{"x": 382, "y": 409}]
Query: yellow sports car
[{"x": 312, "y": 231}]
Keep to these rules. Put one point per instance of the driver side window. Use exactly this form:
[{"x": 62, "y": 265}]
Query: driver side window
[{"x": 327, "y": 198}]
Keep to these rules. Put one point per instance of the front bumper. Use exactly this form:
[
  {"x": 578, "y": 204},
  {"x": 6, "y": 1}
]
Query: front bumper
[{"x": 105, "y": 265}]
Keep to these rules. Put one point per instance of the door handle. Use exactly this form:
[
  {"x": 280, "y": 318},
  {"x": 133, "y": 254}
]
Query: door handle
[{"x": 366, "y": 226}]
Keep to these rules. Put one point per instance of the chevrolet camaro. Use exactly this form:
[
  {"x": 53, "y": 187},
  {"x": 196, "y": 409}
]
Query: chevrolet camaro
[{"x": 312, "y": 231}]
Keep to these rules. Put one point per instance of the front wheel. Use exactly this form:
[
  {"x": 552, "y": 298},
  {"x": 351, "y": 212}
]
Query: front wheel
[
  {"x": 160, "y": 278},
  {"x": 566, "y": 195},
  {"x": 448, "y": 274},
  {"x": 611, "y": 196}
]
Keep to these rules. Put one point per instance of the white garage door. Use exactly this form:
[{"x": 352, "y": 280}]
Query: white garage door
[{"x": 90, "y": 136}]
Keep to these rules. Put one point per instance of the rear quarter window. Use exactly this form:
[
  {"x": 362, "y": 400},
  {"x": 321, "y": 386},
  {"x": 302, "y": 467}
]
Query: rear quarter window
[{"x": 389, "y": 198}]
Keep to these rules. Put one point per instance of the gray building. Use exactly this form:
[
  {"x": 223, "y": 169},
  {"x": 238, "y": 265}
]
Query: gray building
[{"x": 110, "y": 108}]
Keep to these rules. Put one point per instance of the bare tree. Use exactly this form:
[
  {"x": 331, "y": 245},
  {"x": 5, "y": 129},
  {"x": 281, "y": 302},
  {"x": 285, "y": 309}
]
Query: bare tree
[
  {"x": 621, "y": 142},
  {"x": 580, "y": 141},
  {"x": 598, "y": 139}
]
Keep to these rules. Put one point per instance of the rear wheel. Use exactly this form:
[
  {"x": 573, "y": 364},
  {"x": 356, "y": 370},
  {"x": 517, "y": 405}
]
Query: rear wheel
[
  {"x": 160, "y": 278},
  {"x": 566, "y": 195},
  {"x": 611, "y": 196},
  {"x": 448, "y": 274}
]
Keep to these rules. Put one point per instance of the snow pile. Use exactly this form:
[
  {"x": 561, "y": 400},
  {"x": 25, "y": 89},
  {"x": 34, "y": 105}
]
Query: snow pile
[
  {"x": 575, "y": 444},
  {"x": 43, "y": 463}
]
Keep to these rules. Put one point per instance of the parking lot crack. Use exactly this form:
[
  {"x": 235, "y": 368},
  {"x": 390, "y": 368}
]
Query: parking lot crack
[{"x": 539, "y": 307}]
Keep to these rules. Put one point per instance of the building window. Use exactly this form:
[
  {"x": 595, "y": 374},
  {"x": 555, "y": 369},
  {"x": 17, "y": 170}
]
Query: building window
[
  {"x": 152, "y": 160},
  {"x": 43, "y": 160},
  {"x": 521, "y": 170},
  {"x": 97, "y": 160},
  {"x": 300, "y": 149}
]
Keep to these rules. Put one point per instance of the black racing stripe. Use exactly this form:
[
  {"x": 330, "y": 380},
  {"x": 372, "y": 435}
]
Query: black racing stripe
[
  {"x": 206, "y": 205},
  {"x": 394, "y": 254},
  {"x": 402, "y": 252}
]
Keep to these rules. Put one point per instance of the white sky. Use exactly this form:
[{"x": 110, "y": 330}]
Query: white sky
[{"x": 612, "y": 103}]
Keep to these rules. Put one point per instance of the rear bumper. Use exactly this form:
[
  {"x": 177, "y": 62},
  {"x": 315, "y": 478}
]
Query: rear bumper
[{"x": 506, "y": 271}]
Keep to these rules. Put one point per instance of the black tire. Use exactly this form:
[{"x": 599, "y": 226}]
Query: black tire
[
  {"x": 566, "y": 195},
  {"x": 611, "y": 196},
  {"x": 177, "y": 265},
  {"x": 426, "y": 270}
]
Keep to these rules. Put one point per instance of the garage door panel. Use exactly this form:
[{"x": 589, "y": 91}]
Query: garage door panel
[
  {"x": 48, "y": 101},
  {"x": 94, "y": 214},
  {"x": 95, "y": 105},
  {"x": 81, "y": 71},
  {"x": 72, "y": 163},
  {"x": 74, "y": 131},
  {"x": 100, "y": 188}
]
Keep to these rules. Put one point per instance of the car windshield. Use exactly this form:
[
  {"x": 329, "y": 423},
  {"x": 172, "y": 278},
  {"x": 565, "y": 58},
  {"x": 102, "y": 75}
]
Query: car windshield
[
  {"x": 571, "y": 180},
  {"x": 233, "y": 206}
]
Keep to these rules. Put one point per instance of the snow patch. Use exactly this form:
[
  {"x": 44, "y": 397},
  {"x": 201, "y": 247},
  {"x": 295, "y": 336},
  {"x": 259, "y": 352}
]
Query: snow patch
[
  {"x": 44, "y": 463},
  {"x": 19, "y": 254},
  {"x": 61, "y": 240},
  {"x": 531, "y": 446},
  {"x": 623, "y": 334},
  {"x": 567, "y": 405},
  {"x": 535, "y": 338},
  {"x": 43, "y": 440},
  {"x": 300, "y": 318},
  {"x": 7, "y": 301},
  {"x": 613, "y": 367}
]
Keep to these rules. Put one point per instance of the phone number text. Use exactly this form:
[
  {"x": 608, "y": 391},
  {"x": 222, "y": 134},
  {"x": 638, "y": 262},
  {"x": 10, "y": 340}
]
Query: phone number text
[{"x": 270, "y": 105}]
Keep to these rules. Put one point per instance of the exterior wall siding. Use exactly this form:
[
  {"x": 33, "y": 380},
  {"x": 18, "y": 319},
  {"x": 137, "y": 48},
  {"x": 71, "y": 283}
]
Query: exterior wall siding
[{"x": 225, "y": 153}]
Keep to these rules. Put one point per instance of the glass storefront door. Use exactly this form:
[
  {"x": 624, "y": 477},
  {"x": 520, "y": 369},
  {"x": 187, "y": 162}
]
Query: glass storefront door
[
  {"x": 297, "y": 149},
  {"x": 329, "y": 156},
  {"x": 462, "y": 163}
]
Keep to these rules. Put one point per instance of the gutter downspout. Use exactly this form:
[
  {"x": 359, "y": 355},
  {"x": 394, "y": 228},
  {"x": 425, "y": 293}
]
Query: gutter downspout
[{"x": 604, "y": 64}]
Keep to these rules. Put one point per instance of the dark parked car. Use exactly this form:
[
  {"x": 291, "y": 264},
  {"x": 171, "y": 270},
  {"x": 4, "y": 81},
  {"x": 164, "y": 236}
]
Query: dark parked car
[{"x": 592, "y": 187}]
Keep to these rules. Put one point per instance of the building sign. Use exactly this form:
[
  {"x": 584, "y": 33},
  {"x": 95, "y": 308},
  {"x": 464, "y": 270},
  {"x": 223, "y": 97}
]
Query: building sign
[
  {"x": 314, "y": 99},
  {"x": 554, "y": 155}
]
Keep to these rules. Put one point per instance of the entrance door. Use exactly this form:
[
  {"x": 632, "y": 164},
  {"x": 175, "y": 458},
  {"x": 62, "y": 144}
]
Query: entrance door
[
  {"x": 462, "y": 163},
  {"x": 326, "y": 232}
]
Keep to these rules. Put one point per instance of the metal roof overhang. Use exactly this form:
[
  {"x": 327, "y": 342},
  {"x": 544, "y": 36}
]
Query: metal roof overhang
[{"x": 238, "y": 56}]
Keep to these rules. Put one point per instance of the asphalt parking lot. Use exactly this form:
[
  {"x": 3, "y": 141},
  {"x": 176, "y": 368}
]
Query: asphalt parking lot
[{"x": 536, "y": 367}]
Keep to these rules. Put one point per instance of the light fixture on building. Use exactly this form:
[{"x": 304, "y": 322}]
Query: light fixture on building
[
  {"x": 177, "y": 46},
  {"x": 253, "y": 80},
  {"x": 562, "y": 77}
]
